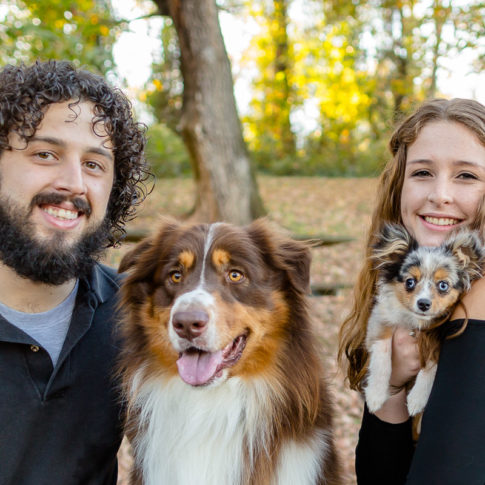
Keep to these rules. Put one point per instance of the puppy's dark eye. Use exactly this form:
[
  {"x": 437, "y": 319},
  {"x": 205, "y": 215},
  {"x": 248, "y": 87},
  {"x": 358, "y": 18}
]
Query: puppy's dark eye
[
  {"x": 443, "y": 286},
  {"x": 410, "y": 284}
]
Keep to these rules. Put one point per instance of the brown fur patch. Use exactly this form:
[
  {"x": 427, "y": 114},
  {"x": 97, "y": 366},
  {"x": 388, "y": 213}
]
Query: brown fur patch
[
  {"x": 220, "y": 258},
  {"x": 187, "y": 259},
  {"x": 441, "y": 274}
]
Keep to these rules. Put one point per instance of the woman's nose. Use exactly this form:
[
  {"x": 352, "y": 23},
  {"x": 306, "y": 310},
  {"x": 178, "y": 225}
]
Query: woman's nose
[{"x": 441, "y": 192}]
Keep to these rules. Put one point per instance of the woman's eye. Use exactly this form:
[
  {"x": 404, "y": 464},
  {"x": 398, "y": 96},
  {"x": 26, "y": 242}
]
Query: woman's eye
[
  {"x": 410, "y": 283},
  {"x": 443, "y": 286},
  {"x": 422, "y": 173},
  {"x": 235, "y": 276},
  {"x": 175, "y": 276},
  {"x": 468, "y": 175}
]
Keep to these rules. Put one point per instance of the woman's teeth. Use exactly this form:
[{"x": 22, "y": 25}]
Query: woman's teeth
[{"x": 441, "y": 221}]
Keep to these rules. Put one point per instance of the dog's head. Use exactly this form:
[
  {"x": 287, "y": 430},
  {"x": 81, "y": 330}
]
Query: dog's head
[
  {"x": 428, "y": 281},
  {"x": 211, "y": 301}
]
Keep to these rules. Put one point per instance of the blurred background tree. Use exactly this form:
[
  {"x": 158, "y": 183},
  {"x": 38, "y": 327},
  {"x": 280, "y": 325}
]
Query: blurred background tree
[{"x": 326, "y": 80}]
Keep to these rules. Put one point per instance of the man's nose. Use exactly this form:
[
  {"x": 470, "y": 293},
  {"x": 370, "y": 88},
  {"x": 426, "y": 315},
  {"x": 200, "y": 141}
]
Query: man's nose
[{"x": 71, "y": 177}]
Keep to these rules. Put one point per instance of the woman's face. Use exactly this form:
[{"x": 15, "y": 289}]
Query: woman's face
[{"x": 444, "y": 181}]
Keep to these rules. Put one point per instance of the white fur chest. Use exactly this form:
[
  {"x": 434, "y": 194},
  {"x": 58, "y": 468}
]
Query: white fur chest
[
  {"x": 192, "y": 436},
  {"x": 195, "y": 436}
]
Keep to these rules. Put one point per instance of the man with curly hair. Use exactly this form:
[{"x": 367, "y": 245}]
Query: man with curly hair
[{"x": 72, "y": 170}]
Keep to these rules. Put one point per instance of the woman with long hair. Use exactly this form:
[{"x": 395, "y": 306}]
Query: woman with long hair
[{"x": 434, "y": 183}]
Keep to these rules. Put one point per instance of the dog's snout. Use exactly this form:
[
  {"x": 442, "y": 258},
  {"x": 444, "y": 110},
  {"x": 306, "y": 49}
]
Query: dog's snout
[
  {"x": 190, "y": 324},
  {"x": 424, "y": 304}
]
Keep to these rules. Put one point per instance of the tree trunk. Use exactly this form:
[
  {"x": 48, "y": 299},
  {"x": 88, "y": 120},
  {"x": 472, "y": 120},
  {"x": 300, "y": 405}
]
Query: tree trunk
[{"x": 210, "y": 126}]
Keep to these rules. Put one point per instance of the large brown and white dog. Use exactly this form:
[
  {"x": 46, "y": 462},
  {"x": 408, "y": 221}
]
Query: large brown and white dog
[{"x": 220, "y": 372}]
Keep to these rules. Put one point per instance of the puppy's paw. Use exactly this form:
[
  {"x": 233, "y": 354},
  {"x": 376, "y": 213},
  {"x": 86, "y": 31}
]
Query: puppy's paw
[
  {"x": 416, "y": 401},
  {"x": 375, "y": 399}
]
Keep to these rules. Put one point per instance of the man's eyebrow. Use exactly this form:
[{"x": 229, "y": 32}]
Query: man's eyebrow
[{"x": 61, "y": 143}]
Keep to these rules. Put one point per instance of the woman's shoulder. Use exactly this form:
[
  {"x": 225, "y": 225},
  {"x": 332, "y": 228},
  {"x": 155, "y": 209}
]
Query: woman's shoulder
[{"x": 472, "y": 304}]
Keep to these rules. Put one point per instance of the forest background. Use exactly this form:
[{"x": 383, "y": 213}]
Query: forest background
[{"x": 323, "y": 81}]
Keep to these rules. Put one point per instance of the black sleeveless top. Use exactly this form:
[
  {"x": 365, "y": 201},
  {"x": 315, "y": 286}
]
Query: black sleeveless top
[{"x": 451, "y": 447}]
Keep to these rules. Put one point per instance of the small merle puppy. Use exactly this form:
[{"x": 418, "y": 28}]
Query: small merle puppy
[{"x": 417, "y": 288}]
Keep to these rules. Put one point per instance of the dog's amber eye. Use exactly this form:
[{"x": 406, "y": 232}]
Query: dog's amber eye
[
  {"x": 443, "y": 286},
  {"x": 410, "y": 284},
  {"x": 235, "y": 276},
  {"x": 176, "y": 276}
]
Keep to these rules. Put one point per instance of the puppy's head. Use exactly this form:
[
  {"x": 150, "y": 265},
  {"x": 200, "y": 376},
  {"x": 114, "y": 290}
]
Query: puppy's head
[
  {"x": 430, "y": 280},
  {"x": 212, "y": 301}
]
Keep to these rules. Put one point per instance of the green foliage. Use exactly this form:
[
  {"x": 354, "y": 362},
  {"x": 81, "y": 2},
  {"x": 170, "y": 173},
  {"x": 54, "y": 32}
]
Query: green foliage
[
  {"x": 82, "y": 31},
  {"x": 164, "y": 89},
  {"x": 166, "y": 153}
]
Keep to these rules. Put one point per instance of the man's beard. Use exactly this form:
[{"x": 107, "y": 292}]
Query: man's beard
[{"x": 50, "y": 261}]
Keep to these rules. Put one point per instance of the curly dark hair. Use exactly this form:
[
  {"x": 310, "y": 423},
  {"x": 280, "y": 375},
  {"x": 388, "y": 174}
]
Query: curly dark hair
[{"x": 26, "y": 91}]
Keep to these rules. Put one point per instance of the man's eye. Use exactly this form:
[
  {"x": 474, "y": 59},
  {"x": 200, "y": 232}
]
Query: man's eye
[
  {"x": 93, "y": 166},
  {"x": 44, "y": 155}
]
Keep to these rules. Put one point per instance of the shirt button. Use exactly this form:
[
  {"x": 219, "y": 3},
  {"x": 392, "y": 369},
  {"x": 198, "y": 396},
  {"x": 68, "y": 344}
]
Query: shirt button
[{"x": 34, "y": 348}]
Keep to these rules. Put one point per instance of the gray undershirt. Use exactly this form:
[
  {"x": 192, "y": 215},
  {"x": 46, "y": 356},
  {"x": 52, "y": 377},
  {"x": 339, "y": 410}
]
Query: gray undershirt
[{"x": 48, "y": 328}]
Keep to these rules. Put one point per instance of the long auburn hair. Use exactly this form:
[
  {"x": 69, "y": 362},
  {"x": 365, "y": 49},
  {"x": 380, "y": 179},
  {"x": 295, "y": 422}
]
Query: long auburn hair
[{"x": 352, "y": 354}]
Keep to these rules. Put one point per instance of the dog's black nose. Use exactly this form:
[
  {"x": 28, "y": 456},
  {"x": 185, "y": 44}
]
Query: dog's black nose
[
  {"x": 190, "y": 324},
  {"x": 424, "y": 304}
]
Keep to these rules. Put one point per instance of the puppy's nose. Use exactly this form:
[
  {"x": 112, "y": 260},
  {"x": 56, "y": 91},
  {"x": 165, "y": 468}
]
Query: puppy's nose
[
  {"x": 190, "y": 324},
  {"x": 424, "y": 304}
]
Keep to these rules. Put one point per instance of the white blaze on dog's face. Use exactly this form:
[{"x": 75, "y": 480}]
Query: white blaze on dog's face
[
  {"x": 428, "y": 283},
  {"x": 216, "y": 299}
]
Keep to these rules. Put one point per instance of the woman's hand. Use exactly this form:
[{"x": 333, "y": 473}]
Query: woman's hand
[
  {"x": 405, "y": 365},
  {"x": 405, "y": 357}
]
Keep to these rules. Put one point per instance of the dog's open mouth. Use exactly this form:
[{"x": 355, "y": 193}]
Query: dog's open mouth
[{"x": 198, "y": 367}]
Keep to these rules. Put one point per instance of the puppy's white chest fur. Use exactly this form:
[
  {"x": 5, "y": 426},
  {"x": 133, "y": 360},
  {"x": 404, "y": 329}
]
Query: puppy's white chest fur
[{"x": 204, "y": 436}]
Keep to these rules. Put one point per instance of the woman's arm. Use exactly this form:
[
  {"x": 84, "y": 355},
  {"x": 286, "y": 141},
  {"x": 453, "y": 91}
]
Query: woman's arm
[
  {"x": 385, "y": 448},
  {"x": 384, "y": 451}
]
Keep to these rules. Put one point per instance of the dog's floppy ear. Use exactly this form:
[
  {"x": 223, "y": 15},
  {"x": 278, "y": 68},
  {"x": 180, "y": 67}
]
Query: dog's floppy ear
[
  {"x": 467, "y": 247},
  {"x": 283, "y": 253},
  {"x": 142, "y": 262},
  {"x": 132, "y": 257},
  {"x": 391, "y": 245}
]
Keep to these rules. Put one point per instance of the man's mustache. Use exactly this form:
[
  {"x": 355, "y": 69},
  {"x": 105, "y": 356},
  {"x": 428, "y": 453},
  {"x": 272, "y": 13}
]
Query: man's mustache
[{"x": 56, "y": 198}]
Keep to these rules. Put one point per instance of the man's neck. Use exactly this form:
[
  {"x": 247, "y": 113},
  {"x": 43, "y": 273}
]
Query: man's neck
[{"x": 28, "y": 296}]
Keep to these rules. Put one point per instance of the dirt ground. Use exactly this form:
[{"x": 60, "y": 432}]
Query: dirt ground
[{"x": 309, "y": 206}]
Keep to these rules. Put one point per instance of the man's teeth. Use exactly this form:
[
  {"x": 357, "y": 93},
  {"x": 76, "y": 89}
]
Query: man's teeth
[
  {"x": 61, "y": 213},
  {"x": 441, "y": 221}
]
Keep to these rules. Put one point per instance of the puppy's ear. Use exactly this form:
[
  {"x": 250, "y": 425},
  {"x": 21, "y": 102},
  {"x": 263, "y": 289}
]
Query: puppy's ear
[
  {"x": 283, "y": 253},
  {"x": 391, "y": 245},
  {"x": 467, "y": 248}
]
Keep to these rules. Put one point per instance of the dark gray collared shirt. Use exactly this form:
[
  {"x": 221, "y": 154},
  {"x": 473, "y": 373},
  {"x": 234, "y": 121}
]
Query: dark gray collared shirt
[{"x": 63, "y": 425}]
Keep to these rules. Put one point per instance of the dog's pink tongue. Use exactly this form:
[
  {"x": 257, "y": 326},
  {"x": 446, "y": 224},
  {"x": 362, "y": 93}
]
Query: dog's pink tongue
[{"x": 197, "y": 367}]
